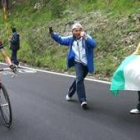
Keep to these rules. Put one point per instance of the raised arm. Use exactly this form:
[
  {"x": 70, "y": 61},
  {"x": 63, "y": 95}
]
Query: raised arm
[{"x": 59, "y": 39}]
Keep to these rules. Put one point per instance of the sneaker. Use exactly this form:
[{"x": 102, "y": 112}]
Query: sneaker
[
  {"x": 68, "y": 98},
  {"x": 17, "y": 65},
  {"x": 134, "y": 111},
  {"x": 84, "y": 105}
]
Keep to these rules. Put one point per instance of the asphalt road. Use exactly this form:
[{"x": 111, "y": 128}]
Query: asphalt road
[{"x": 40, "y": 111}]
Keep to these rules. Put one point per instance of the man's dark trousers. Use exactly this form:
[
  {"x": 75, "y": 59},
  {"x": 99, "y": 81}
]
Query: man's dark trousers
[
  {"x": 14, "y": 57},
  {"x": 78, "y": 84}
]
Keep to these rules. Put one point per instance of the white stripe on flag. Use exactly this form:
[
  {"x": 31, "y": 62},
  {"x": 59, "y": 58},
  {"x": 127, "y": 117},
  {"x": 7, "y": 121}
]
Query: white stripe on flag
[
  {"x": 132, "y": 75},
  {"x": 124, "y": 74}
]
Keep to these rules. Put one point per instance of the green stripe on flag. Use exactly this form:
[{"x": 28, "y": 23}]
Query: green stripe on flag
[{"x": 118, "y": 80}]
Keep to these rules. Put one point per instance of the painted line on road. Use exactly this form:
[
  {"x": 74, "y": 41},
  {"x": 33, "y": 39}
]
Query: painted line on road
[{"x": 60, "y": 74}]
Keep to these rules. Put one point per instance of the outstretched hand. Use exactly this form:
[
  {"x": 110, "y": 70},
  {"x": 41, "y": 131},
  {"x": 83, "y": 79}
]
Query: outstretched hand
[{"x": 50, "y": 30}]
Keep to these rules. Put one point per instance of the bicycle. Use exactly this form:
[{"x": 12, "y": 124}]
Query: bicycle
[{"x": 5, "y": 105}]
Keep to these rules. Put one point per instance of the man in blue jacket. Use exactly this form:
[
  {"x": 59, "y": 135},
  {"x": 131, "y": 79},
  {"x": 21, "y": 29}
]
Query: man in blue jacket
[{"x": 80, "y": 55}]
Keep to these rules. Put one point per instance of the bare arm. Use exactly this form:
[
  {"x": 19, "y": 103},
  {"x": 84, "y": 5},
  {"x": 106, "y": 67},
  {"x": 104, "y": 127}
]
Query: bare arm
[{"x": 6, "y": 58}]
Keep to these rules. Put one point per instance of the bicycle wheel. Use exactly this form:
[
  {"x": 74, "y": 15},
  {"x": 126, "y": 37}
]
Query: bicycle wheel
[{"x": 5, "y": 106}]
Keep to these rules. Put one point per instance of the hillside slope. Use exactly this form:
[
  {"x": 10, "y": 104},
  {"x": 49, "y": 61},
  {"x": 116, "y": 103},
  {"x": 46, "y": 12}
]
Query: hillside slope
[{"x": 114, "y": 24}]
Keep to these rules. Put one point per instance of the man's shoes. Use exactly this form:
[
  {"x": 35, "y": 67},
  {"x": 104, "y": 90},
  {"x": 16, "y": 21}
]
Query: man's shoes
[
  {"x": 84, "y": 105},
  {"x": 17, "y": 65},
  {"x": 135, "y": 111},
  {"x": 68, "y": 98}
]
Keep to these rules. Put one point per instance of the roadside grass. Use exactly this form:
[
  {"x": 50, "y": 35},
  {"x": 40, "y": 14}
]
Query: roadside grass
[{"x": 112, "y": 33}]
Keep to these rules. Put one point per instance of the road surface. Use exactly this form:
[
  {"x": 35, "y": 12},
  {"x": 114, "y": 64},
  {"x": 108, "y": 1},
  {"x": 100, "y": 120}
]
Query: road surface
[{"x": 40, "y": 111}]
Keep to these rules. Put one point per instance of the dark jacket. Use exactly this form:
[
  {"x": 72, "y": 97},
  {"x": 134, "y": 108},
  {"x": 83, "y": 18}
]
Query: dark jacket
[{"x": 15, "y": 41}]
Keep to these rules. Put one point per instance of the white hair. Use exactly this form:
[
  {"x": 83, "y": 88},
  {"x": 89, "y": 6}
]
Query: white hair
[{"x": 76, "y": 25}]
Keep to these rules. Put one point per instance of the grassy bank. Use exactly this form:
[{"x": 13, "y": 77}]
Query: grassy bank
[{"x": 113, "y": 23}]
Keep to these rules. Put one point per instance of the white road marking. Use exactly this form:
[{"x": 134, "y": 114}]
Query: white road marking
[
  {"x": 33, "y": 70},
  {"x": 26, "y": 71}
]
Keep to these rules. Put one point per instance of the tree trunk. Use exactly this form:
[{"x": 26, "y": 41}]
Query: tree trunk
[{"x": 4, "y": 3}]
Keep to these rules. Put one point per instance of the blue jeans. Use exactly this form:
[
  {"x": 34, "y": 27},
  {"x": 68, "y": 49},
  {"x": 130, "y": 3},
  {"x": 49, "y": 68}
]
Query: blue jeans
[
  {"x": 78, "y": 84},
  {"x": 14, "y": 57}
]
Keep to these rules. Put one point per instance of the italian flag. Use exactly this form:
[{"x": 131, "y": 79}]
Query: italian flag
[{"x": 127, "y": 76}]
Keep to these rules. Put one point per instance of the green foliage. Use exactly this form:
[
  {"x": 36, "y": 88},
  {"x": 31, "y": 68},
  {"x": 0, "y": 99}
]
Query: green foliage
[
  {"x": 56, "y": 7},
  {"x": 111, "y": 22},
  {"x": 117, "y": 6}
]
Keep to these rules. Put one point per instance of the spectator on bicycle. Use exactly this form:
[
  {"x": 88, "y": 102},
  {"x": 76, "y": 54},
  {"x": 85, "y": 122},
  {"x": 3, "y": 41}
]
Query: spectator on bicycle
[
  {"x": 81, "y": 46},
  {"x": 6, "y": 58}
]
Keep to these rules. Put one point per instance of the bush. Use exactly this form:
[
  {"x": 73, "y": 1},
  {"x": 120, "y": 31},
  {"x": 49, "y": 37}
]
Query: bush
[{"x": 57, "y": 7}]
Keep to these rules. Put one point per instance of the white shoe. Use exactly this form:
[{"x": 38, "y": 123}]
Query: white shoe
[
  {"x": 134, "y": 111},
  {"x": 84, "y": 105},
  {"x": 68, "y": 98}
]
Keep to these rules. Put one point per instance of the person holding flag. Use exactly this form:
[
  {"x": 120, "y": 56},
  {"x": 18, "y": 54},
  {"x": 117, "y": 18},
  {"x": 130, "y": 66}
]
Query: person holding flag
[
  {"x": 80, "y": 55},
  {"x": 127, "y": 77},
  {"x": 137, "y": 109}
]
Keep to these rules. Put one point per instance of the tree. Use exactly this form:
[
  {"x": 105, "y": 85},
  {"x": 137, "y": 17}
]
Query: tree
[{"x": 4, "y": 3}]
